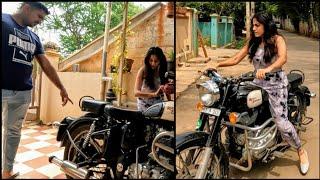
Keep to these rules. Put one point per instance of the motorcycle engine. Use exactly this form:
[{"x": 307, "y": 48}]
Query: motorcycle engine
[
  {"x": 239, "y": 139},
  {"x": 147, "y": 171},
  {"x": 258, "y": 154},
  {"x": 159, "y": 162}
]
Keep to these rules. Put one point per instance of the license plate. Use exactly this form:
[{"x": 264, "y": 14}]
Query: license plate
[{"x": 211, "y": 111}]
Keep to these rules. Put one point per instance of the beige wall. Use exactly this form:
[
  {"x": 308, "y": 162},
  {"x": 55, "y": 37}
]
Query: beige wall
[
  {"x": 184, "y": 50},
  {"x": 158, "y": 30},
  {"x": 77, "y": 85}
]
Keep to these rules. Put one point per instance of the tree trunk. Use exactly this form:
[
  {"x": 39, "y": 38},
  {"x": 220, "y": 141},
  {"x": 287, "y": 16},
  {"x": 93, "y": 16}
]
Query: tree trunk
[
  {"x": 311, "y": 19},
  {"x": 247, "y": 20},
  {"x": 252, "y": 6}
]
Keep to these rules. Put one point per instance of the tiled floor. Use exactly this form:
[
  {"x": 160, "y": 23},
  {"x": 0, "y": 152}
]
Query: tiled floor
[{"x": 36, "y": 145}]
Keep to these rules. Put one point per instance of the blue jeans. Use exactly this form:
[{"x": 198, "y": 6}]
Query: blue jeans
[{"x": 14, "y": 108}]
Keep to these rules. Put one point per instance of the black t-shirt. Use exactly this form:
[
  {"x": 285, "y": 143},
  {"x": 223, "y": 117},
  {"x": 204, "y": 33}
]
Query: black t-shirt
[{"x": 19, "y": 46}]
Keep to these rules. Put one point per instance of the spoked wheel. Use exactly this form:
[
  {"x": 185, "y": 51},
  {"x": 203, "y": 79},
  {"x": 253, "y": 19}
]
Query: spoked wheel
[
  {"x": 92, "y": 150},
  {"x": 188, "y": 160}
]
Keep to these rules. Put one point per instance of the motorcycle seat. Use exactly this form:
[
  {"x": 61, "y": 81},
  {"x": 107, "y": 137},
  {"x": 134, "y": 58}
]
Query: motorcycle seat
[
  {"x": 120, "y": 113},
  {"x": 294, "y": 80},
  {"x": 94, "y": 106}
]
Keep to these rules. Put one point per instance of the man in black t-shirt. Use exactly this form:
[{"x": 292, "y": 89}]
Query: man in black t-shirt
[{"x": 19, "y": 46}]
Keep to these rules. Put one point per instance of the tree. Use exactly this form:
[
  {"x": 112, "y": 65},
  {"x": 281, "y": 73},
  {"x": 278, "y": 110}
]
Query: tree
[
  {"x": 306, "y": 11},
  {"x": 78, "y": 23},
  {"x": 233, "y": 9}
]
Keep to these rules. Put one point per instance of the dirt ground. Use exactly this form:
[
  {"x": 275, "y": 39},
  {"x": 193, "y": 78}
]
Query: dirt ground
[{"x": 303, "y": 54}]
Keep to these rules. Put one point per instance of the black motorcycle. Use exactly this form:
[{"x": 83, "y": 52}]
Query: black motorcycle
[
  {"x": 118, "y": 143},
  {"x": 235, "y": 126}
]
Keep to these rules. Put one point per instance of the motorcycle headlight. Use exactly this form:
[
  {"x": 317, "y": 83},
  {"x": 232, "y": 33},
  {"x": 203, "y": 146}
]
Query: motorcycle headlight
[{"x": 208, "y": 93}]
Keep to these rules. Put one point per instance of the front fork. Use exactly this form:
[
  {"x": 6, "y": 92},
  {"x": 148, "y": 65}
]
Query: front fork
[
  {"x": 213, "y": 139},
  {"x": 203, "y": 123},
  {"x": 202, "y": 169}
]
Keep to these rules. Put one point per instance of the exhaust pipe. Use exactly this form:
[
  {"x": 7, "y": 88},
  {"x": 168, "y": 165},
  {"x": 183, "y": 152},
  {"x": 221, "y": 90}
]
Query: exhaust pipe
[{"x": 70, "y": 168}]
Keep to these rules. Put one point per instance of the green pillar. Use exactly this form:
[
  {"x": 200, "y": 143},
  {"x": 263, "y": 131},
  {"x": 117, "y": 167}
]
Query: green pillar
[
  {"x": 230, "y": 23},
  {"x": 214, "y": 30},
  {"x": 224, "y": 20}
]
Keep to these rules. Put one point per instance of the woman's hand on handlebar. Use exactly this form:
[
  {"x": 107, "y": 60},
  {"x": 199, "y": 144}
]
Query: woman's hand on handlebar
[{"x": 261, "y": 73}]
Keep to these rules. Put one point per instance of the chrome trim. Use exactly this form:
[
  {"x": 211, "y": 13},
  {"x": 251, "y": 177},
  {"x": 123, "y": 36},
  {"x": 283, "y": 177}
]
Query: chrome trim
[
  {"x": 264, "y": 135},
  {"x": 137, "y": 158},
  {"x": 249, "y": 128},
  {"x": 256, "y": 129},
  {"x": 243, "y": 168},
  {"x": 56, "y": 124},
  {"x": 265, "y": 144},
  {"x": 70, "y": 168}
]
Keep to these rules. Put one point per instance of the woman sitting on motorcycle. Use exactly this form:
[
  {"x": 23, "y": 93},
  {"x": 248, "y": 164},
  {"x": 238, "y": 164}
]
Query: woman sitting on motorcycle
[
  {"x": 150, "y": 81},
  {"x": 268, "y": 53}
]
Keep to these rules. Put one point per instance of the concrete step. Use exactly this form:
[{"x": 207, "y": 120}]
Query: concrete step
[
  {"x": 31, "y": 115},
  {"x": 199, "y": 60}
]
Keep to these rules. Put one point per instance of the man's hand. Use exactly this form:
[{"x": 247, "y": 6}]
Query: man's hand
[{"x": 64, "y": 97}]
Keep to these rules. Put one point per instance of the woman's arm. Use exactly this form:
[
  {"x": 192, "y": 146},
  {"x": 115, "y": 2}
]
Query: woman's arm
[
  {"x": 138, "y": 85},
  {"x": 235, "y": 59},
  {"x": 282, "y": 54},
  {"x": 281, "y": 60}
]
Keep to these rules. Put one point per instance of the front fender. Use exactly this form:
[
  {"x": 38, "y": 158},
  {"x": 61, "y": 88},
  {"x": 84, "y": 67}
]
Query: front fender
[{"x": 196, "y": 137}]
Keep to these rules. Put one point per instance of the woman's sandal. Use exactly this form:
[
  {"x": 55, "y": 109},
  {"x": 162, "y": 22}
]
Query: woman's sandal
[{"x": 305, "y": 166}]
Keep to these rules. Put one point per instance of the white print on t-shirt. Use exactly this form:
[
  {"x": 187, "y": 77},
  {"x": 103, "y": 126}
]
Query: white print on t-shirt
[
  {"x": 25, "y": 55},
  {"x": 23, "y": 47}
]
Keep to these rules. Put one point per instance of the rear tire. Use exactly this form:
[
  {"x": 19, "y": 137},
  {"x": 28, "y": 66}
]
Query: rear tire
[
  {"x": 298, "y": 117},
  {"x": 70, "y": 153}
]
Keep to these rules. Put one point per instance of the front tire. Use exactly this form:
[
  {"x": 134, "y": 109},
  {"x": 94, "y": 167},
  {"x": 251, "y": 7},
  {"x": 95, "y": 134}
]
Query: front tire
[{"x": 189, "y": 156}]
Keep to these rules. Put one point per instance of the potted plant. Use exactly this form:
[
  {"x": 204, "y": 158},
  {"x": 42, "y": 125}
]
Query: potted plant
[
  {"x": 127, "y": 65},
  {"x": 51, "y": 46},
  {"x": 181, "y": 10}
]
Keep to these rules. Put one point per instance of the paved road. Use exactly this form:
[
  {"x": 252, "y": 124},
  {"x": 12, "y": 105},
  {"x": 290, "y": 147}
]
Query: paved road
[{"x": 303, "y": 54}]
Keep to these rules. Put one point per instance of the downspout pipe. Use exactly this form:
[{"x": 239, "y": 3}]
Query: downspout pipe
[
  {"x": 123, "y": 47},
  {"x": 104, "y": 53}
]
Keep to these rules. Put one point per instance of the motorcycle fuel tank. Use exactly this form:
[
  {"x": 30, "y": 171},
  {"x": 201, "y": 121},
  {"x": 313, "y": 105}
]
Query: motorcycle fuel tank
[
  {"x": 164, "y": 110},
  {"x": 168, "y": 111},
  {"x": 254, "y": 98}
]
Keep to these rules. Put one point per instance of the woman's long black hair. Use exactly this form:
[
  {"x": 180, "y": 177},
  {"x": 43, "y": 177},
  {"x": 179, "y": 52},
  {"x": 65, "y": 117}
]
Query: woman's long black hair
[
  {"x": 149, "y": 72},
  {"x": 270, "y": 30}
]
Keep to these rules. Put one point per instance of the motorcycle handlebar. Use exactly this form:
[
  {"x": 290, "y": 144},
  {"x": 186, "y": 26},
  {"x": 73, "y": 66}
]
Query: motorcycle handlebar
[
  {"x": 245, "y": 77},
  {"x": 169, "y": 75},
  {"x": 251, "y": 75}
]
